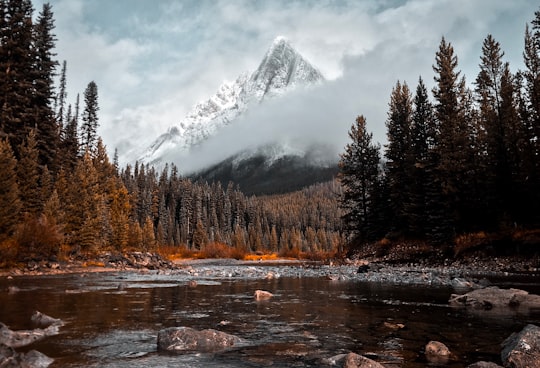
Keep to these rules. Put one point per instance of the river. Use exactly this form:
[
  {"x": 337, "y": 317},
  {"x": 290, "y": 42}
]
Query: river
[{"x": 112, "y": 319}]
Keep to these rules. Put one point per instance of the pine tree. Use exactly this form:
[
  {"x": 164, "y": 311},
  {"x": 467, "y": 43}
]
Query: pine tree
[
  {"x": 44, "y": 72},
  {"x": 90, "y": 120},
  {"x": 358, "y": 167},
  {"x": 16, "y": 66},
  {"x": 70, "y": 141},
  {"x": 398, "y": 158},
  {"x": 61, "y": 98},
  {"x": 488, "y": 90},
  {"x": 10, "y": 205},
  {"x": 28, "y": 177},
  {"x": 449, "y": 145}
]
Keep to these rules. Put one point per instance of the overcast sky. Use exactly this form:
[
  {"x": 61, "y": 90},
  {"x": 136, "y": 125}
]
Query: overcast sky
[{"x": 154, "y": 59}]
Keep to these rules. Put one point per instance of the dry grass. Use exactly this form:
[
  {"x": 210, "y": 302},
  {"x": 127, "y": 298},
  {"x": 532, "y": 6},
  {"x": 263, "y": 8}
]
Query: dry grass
[{"x": 172, "y": 253}]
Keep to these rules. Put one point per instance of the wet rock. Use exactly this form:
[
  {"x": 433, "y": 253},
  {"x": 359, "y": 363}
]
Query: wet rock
[
  {"x": 437, "y": 352},
  {"x": 460, "y": 284},
  {"x": 484, "y": 365},
  {"x": 16, "y": 339},
  {"x": 186, "y": 339},
  {"x": 353, "y": 360},
  {"x": 262, "y": 295},
  {"x": 494, "y": 297},
  {"x": 42, "y": 320},
  {"x": 9, "y": 358},
  {"x": 522, "y": 349},
  {"x": 192, "y": 283},
  {"x": 13, "y": 289}
]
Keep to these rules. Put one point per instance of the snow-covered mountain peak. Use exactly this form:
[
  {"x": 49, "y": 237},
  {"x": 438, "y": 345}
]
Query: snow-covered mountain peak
[{"x": 281, "y": 70}]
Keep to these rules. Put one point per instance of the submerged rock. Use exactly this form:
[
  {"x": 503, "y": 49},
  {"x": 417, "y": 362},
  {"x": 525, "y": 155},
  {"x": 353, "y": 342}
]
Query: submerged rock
[
  {"x": 262, "y": 295},
  {"x": 353, "y": 360},
  {"x": 437, "y": 352},
  {"x": 522, "y": 349},
  {"x": 494, "y": 297},
  {"x": 483, "y": 364},
  {"x": 44, "y": 321},
  {"x": 17, "y": 339},
  {"x": 32, "y": 359},
  {"x": 186, "y": 339}
]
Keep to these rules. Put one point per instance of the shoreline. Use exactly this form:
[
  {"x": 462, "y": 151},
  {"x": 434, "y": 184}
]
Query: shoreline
[{"x": 451, "y": 273}]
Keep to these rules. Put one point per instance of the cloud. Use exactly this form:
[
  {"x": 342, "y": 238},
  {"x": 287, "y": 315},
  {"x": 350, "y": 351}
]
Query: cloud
[{"x": 153, "y": 61}]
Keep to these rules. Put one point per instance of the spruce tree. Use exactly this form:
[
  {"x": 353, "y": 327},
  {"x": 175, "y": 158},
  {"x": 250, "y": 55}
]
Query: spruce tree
[
  {"x": 495, "y": 161},
  {"x": 28, "y": 177},
  {"x": 90, "y": 121},
  {"x": 61, "y": 98},
  {"x": 16, "y": 65},
  {"x": 450, "y": 146},
  {"x": 422, "y": 138},
  {"x": 358, "y": 173},
  {"x": 398, "y": 158},
  {"x": 10, "y": 204},
  {"x": 44, "y": 72}
]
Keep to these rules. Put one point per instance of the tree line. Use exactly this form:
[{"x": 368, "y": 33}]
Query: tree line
[
  {"x": 464, "y": 161},
  {"x": 60, "y": 194}
]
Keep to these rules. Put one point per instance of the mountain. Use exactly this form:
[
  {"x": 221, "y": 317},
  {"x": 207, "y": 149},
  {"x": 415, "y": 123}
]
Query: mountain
[
  {"x": 274, "y": 167},
  {"x": 282, "y": 69}
]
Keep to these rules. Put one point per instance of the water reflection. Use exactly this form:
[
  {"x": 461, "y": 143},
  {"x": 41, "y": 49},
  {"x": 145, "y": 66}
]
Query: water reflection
[{"x": 113, "y": 320}]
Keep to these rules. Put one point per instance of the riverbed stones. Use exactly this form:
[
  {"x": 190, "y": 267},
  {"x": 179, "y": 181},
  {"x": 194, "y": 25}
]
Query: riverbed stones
[
  {"x": 262, "y": 295},
  {"x": 522, "y": 349},
  {"x": 186, "y": 339},
  {"x": 494, "y": 297}
]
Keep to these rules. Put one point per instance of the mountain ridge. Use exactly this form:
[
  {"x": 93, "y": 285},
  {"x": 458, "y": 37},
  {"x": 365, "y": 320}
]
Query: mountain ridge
[{"x": 282, "y": 70}]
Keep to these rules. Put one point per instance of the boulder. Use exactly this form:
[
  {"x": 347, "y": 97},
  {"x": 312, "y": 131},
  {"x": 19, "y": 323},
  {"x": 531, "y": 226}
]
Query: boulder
[
  {"x": 186, "y": 339},
  {"x": 484, "y": 365},
  {"x": 32, "y": 359},
  {"x": 522, "y": 349},
  {"x": 353, "y": 360},
  {"x": 436, "y": 352},
  {"x": 16, "y": 339},
  {"x": 494, "y": 297},
  {"x": 262, "y": 295},
  {"x": 42, "y": 320}
]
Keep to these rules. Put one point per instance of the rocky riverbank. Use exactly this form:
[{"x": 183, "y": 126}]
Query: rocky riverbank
[{"x": 456, "y": 273}]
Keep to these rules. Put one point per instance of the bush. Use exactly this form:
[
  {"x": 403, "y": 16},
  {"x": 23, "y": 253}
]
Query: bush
[
  {"x": 8, "y": 253},
  {"x": 37, "y": 237}
]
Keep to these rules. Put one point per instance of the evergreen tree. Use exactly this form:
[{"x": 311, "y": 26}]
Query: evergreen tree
[
  {"x": 398, "y": 158},
  {"x": 70, "y": 140},
  {"x": 44, "y": 72},
  {"x": 495, "y": 161},
  {"x": 358, "y": 167},
  {"x": 28, "y": 177},
  {"x": 422, "y": 137},
  {"x": 450, "y": 146},
  {"x": 90, "y": 120},
  {"x": 61, "y": 98},
  {"x": 16, "y": 65},
  {"x": 10, "y": 205}
]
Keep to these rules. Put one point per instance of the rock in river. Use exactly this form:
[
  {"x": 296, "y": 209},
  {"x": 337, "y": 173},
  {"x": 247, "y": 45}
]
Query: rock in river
[
  {"x": 522, "y": 349},
  {"x": 186, "y": 339},
  {"x": 493, "y": 297},
  {"x": 262, "y": 295},
  {"x": 353, "y": 360}
]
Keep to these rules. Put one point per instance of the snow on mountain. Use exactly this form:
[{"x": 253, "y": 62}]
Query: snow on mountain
[{"x": 281, "y": 70}]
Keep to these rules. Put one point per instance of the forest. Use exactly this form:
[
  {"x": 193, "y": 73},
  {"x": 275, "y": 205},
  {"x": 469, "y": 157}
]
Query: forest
[{"x": 464, "y": 164}]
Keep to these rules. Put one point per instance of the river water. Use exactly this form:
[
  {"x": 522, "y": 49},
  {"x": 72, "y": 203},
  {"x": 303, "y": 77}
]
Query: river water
[{"x": 112, "y": 320}]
